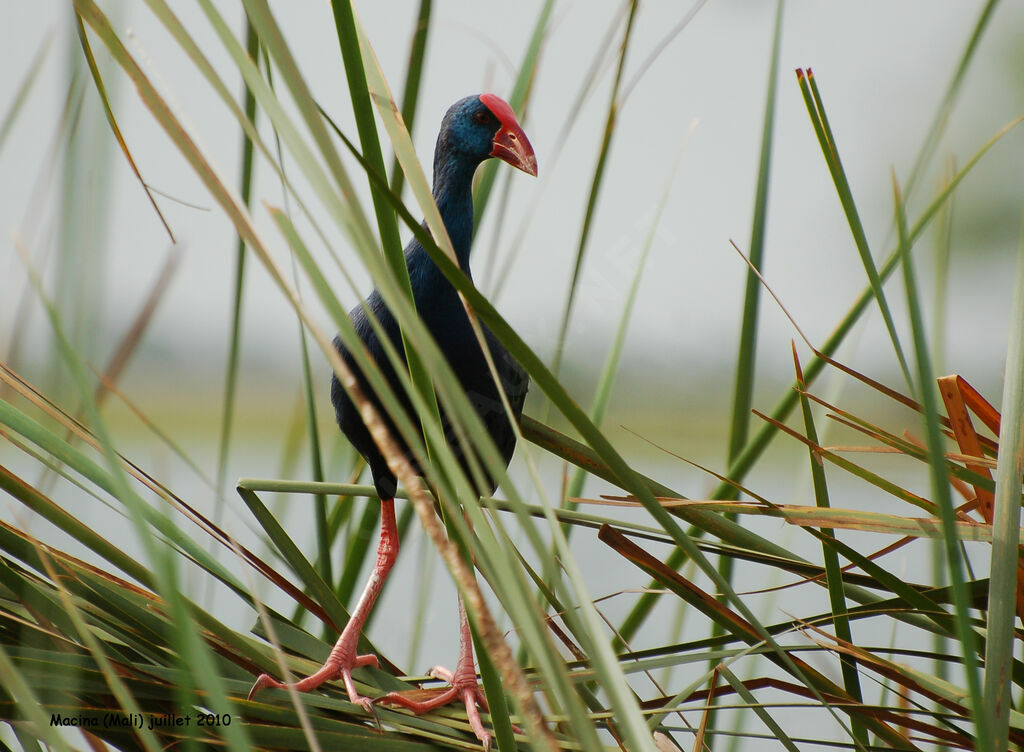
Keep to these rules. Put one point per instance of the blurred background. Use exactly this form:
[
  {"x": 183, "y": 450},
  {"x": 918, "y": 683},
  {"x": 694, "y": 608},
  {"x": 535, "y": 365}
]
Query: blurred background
[{"x": 696, "y": 89}]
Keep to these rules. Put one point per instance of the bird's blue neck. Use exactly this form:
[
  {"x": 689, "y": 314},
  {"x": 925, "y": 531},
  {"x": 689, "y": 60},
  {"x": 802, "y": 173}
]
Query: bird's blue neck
[{"x": 453, "y": 192}]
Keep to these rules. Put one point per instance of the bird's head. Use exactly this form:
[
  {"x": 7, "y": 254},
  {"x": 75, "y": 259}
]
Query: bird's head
[{"x": 483, "y": 126}]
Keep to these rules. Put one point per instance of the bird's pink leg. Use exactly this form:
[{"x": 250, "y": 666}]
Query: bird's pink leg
[
  {"x": 343, "y": 657},
  {"x": 463, "y": 685}
]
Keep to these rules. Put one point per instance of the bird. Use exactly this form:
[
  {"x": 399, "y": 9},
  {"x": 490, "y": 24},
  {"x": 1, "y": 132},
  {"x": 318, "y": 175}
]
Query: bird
[{"x": 473, "y": 130}]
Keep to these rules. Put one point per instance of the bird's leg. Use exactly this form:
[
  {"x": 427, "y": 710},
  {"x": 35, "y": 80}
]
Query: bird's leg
[
  {"x": 343, "y": 657},
  {"x": 463, "y": 685}
]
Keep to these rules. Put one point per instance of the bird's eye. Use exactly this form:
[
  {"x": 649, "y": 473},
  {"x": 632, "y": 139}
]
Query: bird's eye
[{"x": 481, "y": 117}]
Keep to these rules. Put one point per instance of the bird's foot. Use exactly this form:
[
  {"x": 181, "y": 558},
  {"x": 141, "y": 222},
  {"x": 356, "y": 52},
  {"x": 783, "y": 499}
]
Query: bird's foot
[
  {"x": 463, "y": 687},
  {"x": 337, "y": 666},
  {"x": 343, "y": 657}
]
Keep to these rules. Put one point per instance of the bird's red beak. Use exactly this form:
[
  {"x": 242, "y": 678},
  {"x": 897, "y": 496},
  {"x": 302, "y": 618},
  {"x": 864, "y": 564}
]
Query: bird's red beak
[{"x": 510, "y": 143}]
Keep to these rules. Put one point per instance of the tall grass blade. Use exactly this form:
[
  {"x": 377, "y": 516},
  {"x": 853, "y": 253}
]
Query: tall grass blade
[
  {"x": 758, "y": 709},
  {"x": 413, "y": 79},
  {"x": 606, "y": 380},
  {"x": 944, "y": 241},
  {"x": 132, "y": 338},
  {"x": 252, "y": 46},
  {"x": 833, "y": 573},
  {"x": 518, "y": 100},
  {"x": 829, "y": 148},
  {"x": 931, "y": 140},
  {"x": 999, "y": 643},
  {"x": 64, "y": 129},
  {"x": 357, "y": 546},
  {"x": 84, "y": 159},
  {"x": 595, "y": 189},
  {"x": 943, "y": 254},
  {"x": 573, "y": 110},
  {"x": 939, "y": 479},
  {"x": 323, "y": 538},
  {"x": 24, "y": 89},
  {"x": 323, "y": 168},
  {"x": 101, "y": 90},
  {"x": 387, "y": 226},
  {"x": 746, "y": 359}
]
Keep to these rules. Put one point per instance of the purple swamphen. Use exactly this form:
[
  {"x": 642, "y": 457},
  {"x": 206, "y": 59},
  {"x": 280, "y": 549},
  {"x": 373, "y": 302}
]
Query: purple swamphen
[{"x": 473, "y": 130}]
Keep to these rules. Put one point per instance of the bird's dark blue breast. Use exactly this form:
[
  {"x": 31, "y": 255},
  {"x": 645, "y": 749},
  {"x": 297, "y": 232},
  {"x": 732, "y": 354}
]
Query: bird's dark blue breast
[{"x": 444, "y": 316}]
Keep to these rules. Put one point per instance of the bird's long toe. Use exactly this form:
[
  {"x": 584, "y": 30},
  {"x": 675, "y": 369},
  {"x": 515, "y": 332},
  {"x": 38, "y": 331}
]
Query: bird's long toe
[
  {"x": 262, "y": 682},
  {"x": 333, "y": 669},
  {"x": 463, "y": 687}
]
